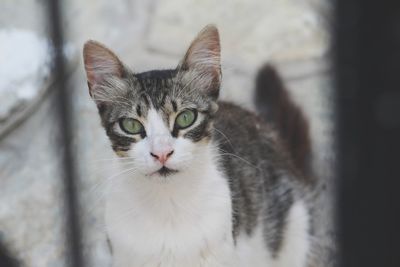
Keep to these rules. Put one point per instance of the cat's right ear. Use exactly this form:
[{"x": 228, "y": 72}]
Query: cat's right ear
[{"x": 100, "y": 63}]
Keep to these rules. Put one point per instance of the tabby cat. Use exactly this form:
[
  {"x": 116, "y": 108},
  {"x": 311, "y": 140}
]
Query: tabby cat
[{"x": 202, "y": 182}]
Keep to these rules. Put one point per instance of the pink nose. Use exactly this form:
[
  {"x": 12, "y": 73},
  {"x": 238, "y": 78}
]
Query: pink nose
[{"x": 162, "y": 156}]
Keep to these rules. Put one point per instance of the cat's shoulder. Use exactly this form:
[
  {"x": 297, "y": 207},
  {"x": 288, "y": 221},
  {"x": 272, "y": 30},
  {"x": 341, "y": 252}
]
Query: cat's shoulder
[
  {"x": 233, "y": 116},
  {"x": 246, "y": 134}
]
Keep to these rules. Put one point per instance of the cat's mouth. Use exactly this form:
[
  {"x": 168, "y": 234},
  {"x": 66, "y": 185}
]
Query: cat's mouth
[{"x": 165, "y": 171}]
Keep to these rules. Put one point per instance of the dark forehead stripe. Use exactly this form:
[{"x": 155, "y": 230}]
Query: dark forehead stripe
[
  {"x": 142, "y": 105},
  {"x": 161, "y": 102},
  {"x": 157, "y": 74},
  {"x": 139, "y": 110},
  {"x": 152, "y": 82},
  {"x": 174, "y": 105},
  {"x": 142, "y": 85},
  {"x": 157, "y": 85},
  {"x": 144, "y": 99}
]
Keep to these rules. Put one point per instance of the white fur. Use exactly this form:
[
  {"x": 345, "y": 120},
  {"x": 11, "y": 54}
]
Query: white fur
[
  {"x": 296, "y": 244},
  {"x": 252, "y": 250},
  {"x": 185, "y": 220}
]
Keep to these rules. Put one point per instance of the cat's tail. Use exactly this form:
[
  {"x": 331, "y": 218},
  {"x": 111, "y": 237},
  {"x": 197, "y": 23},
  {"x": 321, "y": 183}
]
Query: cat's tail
[{"x": 276, "y": 107}]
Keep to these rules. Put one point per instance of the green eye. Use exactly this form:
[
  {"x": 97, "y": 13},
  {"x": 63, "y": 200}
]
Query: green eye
[
  {"x": 185, "y": 119},
  {"x": 131, "y": 126}
]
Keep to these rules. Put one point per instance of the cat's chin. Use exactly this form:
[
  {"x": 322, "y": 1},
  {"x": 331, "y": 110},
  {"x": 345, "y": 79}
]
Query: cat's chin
[{"x": 164, "y": 172}]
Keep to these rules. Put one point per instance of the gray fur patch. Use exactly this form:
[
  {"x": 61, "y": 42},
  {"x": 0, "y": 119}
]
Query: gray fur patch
[{"x": 262, "y": 180}]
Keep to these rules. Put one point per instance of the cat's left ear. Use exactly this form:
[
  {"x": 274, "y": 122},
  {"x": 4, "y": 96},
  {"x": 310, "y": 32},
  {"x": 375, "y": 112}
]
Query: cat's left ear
[{"x": 202, "y": 60}]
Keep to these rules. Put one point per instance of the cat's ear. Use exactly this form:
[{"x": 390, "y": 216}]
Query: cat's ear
[
  {"x": 100, "y": 63},
  {"x": 202, "y": 60}
]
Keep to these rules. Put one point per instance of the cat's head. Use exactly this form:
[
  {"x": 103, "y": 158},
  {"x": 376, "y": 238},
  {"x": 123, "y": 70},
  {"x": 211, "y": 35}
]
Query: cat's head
[{"x": 162, "y": 119}]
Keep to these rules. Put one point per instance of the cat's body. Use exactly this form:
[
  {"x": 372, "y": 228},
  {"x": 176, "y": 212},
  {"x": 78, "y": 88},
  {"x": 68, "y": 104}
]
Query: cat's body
[
  {"x": 220, "y": 190},
  {"x": 190, "y": 220}
]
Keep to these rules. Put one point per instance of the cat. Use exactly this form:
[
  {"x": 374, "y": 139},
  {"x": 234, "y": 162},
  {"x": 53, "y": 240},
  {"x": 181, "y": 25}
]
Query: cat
[{"x": 203, "y": 182}]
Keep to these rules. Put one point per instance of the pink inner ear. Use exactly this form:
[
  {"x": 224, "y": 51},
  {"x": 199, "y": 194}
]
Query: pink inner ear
[
  {"x": 203, "y": 57},
  {"x": 204, "y": 51},
  {"x": 100, "y": 62}
]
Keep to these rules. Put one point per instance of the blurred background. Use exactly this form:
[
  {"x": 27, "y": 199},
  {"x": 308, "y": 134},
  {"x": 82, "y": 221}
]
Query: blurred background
[{"x": 292, "y": 34}]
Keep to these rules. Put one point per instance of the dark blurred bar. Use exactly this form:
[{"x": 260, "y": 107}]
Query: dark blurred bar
[
  {"x": 65, "y": 117},
  {"x": 6, "y": 259},
  {"x": 367, "y": 66}
]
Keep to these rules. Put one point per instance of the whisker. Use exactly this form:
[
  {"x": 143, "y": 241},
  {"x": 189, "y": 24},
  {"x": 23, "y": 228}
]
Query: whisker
[
  {"x": 224, "y": 153},
  {"x": 115, "y": 176},
  {"x": 229, "y": 141},
  {"x": 114, "y": 159}
]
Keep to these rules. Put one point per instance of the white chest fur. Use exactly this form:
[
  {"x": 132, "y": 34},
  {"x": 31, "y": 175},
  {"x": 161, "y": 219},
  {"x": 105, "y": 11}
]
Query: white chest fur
[{"x": 185, "y": 221}]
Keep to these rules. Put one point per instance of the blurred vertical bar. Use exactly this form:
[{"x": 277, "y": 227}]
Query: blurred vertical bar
[
  {"x": 367, "y": 66},
  {"x": 5, "y": 258},
  {"x": 64, "y": 105}
]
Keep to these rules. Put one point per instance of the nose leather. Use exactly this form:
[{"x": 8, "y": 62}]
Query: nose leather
[
  {"x": 162, "y": 157},
  {"x": 161, "y": 148}
]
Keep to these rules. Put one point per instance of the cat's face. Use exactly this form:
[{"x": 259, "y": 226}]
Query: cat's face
[{"x": 162, "y": 120}]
